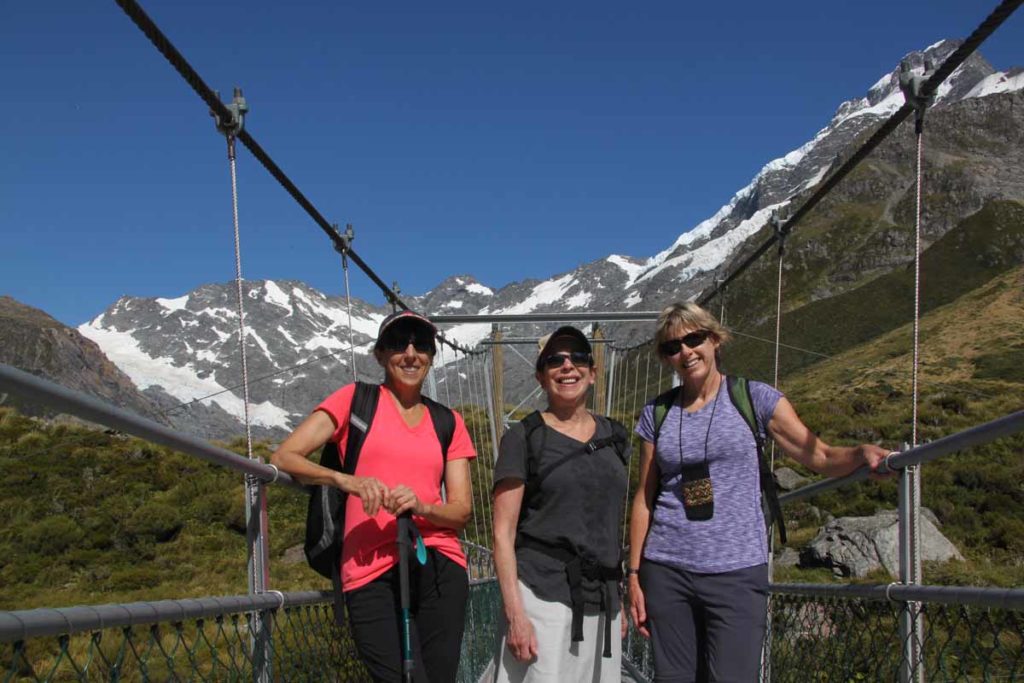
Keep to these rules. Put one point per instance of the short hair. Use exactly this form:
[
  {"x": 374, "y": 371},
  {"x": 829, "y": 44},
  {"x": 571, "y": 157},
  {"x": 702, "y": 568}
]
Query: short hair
[{"x": 687, "y": 314}]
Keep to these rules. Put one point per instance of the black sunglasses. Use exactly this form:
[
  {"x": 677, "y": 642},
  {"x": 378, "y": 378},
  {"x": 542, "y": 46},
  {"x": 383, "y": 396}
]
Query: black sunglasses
[
  {"x": 577, "y": 358},
  {"x": 671, "y": 347},
  {"x": 399, "y": 343}
]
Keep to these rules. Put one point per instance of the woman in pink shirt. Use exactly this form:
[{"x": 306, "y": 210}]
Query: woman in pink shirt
[{"x": 400, "y": 468}]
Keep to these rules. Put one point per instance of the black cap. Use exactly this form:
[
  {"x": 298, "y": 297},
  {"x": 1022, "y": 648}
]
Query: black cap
[
  {"x": 566, "y": 331},
  {"x": 398, "y": 316}
]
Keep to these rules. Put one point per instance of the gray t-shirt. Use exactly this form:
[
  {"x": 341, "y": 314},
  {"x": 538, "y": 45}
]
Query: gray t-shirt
[
  {"x": 580, "y": 507},
  {"x": 734, "y": 537}
]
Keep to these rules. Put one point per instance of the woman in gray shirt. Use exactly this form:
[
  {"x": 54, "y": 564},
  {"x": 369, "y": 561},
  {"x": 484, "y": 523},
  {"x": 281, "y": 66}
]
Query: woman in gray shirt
[
  {"x": 697, "y": 572},
  {"x": 559, "y": 493}
]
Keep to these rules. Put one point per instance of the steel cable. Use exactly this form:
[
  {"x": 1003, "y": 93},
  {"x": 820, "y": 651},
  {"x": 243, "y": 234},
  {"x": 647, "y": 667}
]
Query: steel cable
[
  {"x": 462, "y": 405},
  {"x": 348, "y": 306},
  {"x": 478, "y": 437}
]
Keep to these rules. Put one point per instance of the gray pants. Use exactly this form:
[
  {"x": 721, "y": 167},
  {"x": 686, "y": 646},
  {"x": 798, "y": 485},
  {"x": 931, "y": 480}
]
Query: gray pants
[{"x": 705, "y": 627}]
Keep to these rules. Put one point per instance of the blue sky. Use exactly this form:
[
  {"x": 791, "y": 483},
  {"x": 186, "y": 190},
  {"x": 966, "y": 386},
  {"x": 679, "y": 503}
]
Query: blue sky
[{"x": 507, "y": 140}]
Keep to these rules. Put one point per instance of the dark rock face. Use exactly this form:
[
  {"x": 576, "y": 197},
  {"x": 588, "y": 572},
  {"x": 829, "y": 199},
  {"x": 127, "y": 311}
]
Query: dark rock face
[{"x": 33, "y": 341}]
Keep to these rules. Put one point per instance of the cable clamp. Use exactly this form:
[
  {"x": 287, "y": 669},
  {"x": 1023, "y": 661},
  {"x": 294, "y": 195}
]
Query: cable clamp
[
  {"x": 778, "y": 224},
  {"x": 343, "y": 241},
  {"x": 884, "y": 467},
  {"x": 277, "y": 473},
  {"x": 888, "y": 588},
  {"x": 237, "y": 110},
  {"x": 280, "y": 596},
  {"x": 912, "y": 84}
]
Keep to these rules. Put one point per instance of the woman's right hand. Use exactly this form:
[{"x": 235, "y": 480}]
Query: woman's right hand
[
  {"x": 521, "y": 638},
  {"x": 370, "y": 490},
  {"x": 638, "y": 606}
]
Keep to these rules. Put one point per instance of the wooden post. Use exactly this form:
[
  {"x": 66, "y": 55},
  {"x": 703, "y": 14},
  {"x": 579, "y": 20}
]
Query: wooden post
[
  {"x": 497, "y": 380},
  {"x": 601, "y": 385}
]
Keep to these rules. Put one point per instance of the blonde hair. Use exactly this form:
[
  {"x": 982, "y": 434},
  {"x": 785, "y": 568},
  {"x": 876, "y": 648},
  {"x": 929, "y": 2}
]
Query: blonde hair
[{"x": 688, "y": 315}]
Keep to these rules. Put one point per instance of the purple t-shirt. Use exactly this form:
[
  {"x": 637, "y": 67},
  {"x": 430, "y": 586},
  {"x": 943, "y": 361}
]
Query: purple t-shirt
[{"x": 735, "y": 536}]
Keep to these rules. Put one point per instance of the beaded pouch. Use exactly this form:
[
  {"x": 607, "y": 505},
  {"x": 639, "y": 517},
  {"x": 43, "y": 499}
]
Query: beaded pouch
[{"x": 697, "y": 492}]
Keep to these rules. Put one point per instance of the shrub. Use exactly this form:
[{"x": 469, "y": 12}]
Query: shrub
[
  {"x": 155, "y": 520},
  {"x": 50, "y": 536}
]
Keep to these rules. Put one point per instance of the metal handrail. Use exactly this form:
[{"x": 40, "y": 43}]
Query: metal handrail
[
  {"x": 547, "y": 317},
  {"x": 36, "y": 389},
  {"x": 35, "y": 623},
  {"x": 1003, "y": 598},
  {"x": 973, "y": 436}
]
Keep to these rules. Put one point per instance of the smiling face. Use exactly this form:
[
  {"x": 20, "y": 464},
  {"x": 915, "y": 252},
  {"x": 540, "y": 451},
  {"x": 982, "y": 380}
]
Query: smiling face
[
  {"x": 693, "y": 365},
  {"x": 404, "y": 353},
  {"x": 566, "y": 383}
]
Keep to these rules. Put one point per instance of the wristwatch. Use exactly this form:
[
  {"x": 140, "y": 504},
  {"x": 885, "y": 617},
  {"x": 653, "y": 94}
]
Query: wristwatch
[{"x": 632, "y": 570}]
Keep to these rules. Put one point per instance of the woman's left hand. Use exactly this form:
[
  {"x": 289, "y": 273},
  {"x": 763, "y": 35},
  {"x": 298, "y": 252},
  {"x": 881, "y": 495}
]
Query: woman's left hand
[
  {"x": 402, "y": 499},
  {"x": 874, "y": 457}
]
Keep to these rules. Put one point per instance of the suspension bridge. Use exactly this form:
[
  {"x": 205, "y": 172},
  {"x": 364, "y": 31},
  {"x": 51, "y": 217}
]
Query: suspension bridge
[{"x": 904, "y": 630}]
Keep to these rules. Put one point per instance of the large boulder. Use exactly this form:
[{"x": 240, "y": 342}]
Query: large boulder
[
  {"x": 856, "y": 546},
  {"x": 789, "y": 480}
]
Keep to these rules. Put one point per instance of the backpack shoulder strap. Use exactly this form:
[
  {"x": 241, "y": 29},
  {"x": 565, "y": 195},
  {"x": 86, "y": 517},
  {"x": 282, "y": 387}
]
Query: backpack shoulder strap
[
  {"x": 618, "y": 440},
  {"x": 739, "y": 394},
  {"x": 532, "y": 423},
  {"x": 360, "y": 419},
  {"x": 444, "y": 423},
  {"x": 444, "y": 426},
  {"x": 661, "y": 407}
]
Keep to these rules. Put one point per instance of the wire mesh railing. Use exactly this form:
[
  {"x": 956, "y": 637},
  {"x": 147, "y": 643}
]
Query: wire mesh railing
[
  {"x": 828, "y": 633},
  {"x": 287, "y": 637},
  {"x": 276, "y": 636}
]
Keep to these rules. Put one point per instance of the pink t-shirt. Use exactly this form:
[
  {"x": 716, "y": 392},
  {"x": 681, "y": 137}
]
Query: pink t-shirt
[{"x": 394, "y": 453}]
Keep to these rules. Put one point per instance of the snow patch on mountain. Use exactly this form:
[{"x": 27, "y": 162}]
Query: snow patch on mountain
[
  {"x": 273, "y": 294},
  {"x": 180, "y": 382},
  {"x": 173, "y": 305},
  {"x": 632, "y": 270},
  {"x": 713, "y": 253},
  {"x": 467, "y": 335},
  {"x": 578, "y": 300},
  {"x": 545, "y": 293},
  {"x": 999, "y": 82}
]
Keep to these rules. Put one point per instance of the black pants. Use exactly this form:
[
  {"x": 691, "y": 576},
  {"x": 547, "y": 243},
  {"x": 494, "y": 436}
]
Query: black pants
[
  {"x": 705, "y": 627},
  {"x": 437, "y": 597}
]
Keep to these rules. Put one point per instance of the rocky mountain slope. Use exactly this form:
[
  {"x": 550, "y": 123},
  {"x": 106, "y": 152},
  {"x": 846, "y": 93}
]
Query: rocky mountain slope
[
  {"x": 178, "y": 350},
  {"x": 33, "y": 341}
]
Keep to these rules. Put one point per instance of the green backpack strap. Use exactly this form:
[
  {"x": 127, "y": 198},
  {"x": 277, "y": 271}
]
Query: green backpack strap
[
  {"x": 739, "y": 394},
  {"x": 662, "y": 403}
]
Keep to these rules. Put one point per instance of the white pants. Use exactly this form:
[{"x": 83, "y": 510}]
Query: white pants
[{"x": 559, "y": 660}]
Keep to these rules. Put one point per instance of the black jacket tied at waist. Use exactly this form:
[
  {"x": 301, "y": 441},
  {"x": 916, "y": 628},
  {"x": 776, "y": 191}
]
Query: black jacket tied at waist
[{"x": 578, "y": 568}]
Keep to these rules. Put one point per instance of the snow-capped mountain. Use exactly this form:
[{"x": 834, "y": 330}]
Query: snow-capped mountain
[{"x": 178, "y": 350}]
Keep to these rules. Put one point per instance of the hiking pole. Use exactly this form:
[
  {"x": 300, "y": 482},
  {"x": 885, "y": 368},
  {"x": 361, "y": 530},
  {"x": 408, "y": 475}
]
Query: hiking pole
[
  {"x": 408, "y": 534},
  {"x": 404, "y": 538}
]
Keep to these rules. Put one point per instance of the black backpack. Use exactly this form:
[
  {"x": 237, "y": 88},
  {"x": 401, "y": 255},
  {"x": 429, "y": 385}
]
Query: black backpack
[{"x": 325, "y": 516}]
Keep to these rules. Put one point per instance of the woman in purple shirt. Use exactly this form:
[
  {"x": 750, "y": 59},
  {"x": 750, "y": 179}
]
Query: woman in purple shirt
[{"x": 697, "y": 573}]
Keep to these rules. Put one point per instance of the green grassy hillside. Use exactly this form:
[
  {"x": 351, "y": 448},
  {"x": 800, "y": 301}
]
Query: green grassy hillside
[
  {"x": 90, "y": 517},
  {"x": 972, "y": 355}
]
